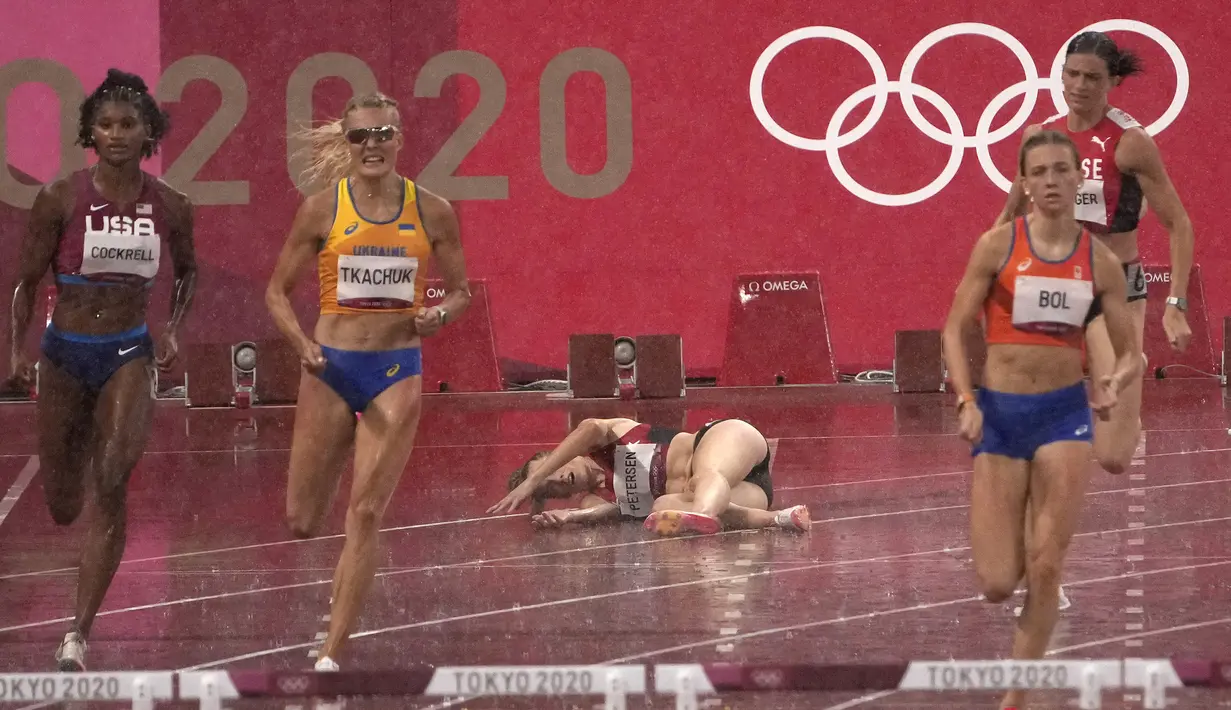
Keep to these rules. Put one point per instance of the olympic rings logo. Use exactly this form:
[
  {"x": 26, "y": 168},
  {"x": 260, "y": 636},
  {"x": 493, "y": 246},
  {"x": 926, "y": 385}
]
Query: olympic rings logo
[{"x": 983, "y": 137}]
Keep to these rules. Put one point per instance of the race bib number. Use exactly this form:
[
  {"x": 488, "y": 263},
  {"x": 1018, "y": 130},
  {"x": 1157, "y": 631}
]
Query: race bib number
[
  {"x": 631, "y": 479},
  {"x": 376, "y": 281},
  {"x": 121, "y": 254},
  {"x": 1091, "y": 207},
  {"x": 1044, "y": 304}
]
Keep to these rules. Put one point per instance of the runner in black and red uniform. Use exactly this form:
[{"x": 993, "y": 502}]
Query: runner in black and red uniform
[
  {"x": 1123, "y": 172},
  {"x": 675, "y": 480}
]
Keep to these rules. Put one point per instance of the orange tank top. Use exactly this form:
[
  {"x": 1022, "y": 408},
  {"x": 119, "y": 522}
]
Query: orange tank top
[
  {"x": 1038, "y": 302},
  {"x": 374, "y": 267}
]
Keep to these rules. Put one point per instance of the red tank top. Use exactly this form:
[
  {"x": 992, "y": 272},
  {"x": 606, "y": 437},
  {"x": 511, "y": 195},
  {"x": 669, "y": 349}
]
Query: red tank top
[
  {"x": 102, "y": 243},
  {"x": 1109, "y": 201},
  {"x": 1039, "y": 302},
  {"x": 636, "y": 468}
]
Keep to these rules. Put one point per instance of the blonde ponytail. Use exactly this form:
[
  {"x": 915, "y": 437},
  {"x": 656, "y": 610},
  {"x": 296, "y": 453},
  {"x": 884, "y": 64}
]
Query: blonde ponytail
[{"x": 324, "y": 153}]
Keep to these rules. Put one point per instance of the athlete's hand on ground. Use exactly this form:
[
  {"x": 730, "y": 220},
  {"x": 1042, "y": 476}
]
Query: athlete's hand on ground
[
  {"x": 311, "y": 357},
  {"x": 427, "y": 322},
  {"x": 970, "y": 423},
  {"x": 512, "y": 501},
  {"x": 167, "y": 351},
  {"x": 1103, "y": 396},
  {"x": 1175, "y": 323},
  {"x": 552, "y": 518}
]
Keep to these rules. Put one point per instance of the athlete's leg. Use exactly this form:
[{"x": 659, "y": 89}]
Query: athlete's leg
[
  {"x": 122, "y": 416},
  {"x": 747, "y": 510},
  {"x": 722, "y": 461},
  {"x": 997, "y": 523},
  {"x": 1057, "y": 486},
  {"x": 65, "y": 432},
  {"x": 320, "y": 446},
  {"x": 383, "y": 443},
  {"x": 1116, "y": 439}
]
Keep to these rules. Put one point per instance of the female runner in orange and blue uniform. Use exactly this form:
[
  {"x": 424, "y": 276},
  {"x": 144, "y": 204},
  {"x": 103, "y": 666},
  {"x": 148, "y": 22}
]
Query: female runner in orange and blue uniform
[
  {"x": 373, "y": 234},
  {"x": 1037, "y": 280}
]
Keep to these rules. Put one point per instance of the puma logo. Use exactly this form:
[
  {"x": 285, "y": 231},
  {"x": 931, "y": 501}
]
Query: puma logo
[
  {"x": 125, "y": 351},
  {"x": 1102, "y": 142}
]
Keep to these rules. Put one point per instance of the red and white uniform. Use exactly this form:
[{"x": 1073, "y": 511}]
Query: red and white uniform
[
  {"x": 1109, "y": 201},
  {"x": 103, "y": 243},
  {"x": 636, "y": 468}
]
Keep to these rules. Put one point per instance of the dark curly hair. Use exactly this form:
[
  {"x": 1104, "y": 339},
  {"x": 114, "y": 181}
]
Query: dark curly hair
[
  {"x": 131, "y": 89},
  {"x": 1120, "y": 62}
]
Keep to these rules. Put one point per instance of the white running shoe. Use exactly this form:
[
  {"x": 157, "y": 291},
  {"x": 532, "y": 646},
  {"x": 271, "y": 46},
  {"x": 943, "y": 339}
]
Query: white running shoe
[
  {"x": 794, "y": 518},
  {"x": 325, "y": 663},
  {"x": 1064, "y": 603},
  {"x": 70, "y": 656}
]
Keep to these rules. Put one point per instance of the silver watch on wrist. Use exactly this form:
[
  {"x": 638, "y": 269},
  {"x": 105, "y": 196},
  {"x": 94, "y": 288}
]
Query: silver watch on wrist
[{"x": 1179, "y": 303}]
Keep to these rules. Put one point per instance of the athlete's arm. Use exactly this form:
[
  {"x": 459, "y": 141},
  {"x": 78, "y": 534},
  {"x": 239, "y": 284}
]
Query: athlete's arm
[
  {"x": 301, "y": 246},
  {"x": 985, "y": 260},
  {"x": 589, "y": 435},
  {"x": 1138, "y": 154},
  {"x": 1015, "y": 204},
  {"x": 594, "y": 510},
  {"x": 440, "y": 221},
  {"x": 1109, "y": 275},
  {"x": 184, "y": 267},
  {"x": 38, "y": 248}
]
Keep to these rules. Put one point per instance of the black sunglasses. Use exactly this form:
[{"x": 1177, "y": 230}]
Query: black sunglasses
[{"x": 359, "y": 136}]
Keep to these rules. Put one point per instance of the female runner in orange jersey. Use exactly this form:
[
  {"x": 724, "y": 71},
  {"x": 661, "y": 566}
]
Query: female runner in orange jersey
[
  {"x": 1037, "y": 280},
  {"x": 373, "y": 234}
]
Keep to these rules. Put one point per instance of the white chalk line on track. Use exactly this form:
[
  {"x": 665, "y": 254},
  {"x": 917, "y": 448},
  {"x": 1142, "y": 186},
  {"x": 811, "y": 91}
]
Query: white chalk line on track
[
  {"x": 19, "y": 486},
  {"x": 691, "y": 583},
  {"x": 419, "y": 526},
  {"x": 515, "y": 558},
  {"x": 541, "y": 444},
  {"x": 854, "y": 617}
]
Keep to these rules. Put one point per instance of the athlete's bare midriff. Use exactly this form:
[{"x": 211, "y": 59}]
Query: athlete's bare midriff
[
  {"x": 1031, "y": 369},
  {"x": 89, "y": 309},
  {"x": 375, "y": 331}
]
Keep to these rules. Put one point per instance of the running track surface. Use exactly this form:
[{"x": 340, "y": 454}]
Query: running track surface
[{"x": 212, "y": 579}]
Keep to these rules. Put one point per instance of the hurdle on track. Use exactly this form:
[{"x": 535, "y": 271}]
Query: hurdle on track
[{"x": 686, "y": 682}]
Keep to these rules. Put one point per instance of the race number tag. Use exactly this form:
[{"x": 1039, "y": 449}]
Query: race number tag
[
  {"x": 1091, "y": 207},
  {"x": 376, "y": 281},
  {"x": 124, "y": 253},
  {"x": 1043, "y": 304},
  {"x": 631, "y": 479}
]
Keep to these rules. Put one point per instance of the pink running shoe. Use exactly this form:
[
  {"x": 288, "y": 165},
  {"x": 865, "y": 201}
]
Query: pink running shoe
[{"x": 679, "y": 522}]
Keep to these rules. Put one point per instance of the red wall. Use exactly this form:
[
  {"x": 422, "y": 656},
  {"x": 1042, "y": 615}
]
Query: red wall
[{"x": 710, "y": 193}]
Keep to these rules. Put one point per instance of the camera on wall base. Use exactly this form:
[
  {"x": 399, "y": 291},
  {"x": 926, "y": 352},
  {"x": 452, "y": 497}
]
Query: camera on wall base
[
  {"x": 243, "y": 374},
  {"x": 629, "y": 367}
]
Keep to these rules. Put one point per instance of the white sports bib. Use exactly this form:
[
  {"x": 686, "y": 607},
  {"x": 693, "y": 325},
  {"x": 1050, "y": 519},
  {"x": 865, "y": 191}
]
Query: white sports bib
[
  {"x": 376, "y": 281},
  {"x": 631, "y": 479},
  {"x": 121, "y": 247},
  {"x": 1091, "y": 207},
  {"x": 1044, "y": 304}
]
